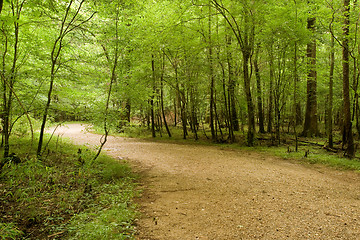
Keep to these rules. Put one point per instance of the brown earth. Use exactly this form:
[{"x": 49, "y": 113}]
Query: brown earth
[{"x": 206, "y": 192}]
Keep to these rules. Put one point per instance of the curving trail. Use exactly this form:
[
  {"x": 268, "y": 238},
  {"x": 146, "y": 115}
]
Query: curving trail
[{"x": 206, "y": 192}]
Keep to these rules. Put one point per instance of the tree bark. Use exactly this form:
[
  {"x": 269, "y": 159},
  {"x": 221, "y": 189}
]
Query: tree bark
[
  {"x": 311, "y": 123},
  {"x": 8, "y": 84},
  {"x": 245, "y": 36},
  {"x": 296, "y": 106},
  {"x": 233, "y": 118},
  {"x": 250, "y": 106},
  {"x": 259, "y": 93},
  {"x": 330, "y": 105},
  {"x": 212, "y": 81},
  {"x": 194, "y": 118},
  {"x": 1, "y": 5},
  {"x": 271, "y": 93},
  {"x": 348, "y": 142},
  {"x": 152, "y": 99},
  {"x": 183, "y": 113},
  {"x": 66, "y": 28},
  {"x": 162, "y": 97}
]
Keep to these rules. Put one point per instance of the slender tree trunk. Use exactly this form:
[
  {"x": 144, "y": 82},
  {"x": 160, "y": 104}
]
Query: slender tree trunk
[
  {"x": 8, "y": 97},
  {"x": 212, "y": 81},
  {"x": 128, "y": 110},
  {"x": 55, "y": 53},
  {"x": 46, "y": 111},
  {"x": 194, "y": 118},
  {"x": 103, "y": 139},
  {"x": 1, "y": 5},
  {"x": 348, "y": 142},
  {"x": 226, "y": 107},
  {"x": 277, "y": 116},
  {"x": 233, "y": 118},
  {"x": 183, "y": 113},
  {"x": 259, "y": 93},
  {"x": 175, "y": 109},
  {"x": 278, "y": 93},
  {"x": 331, "y": 84},
  {"x": 250, "y": 106},
  {"x": 271, "y": 92},
  {"x": 311, "y": 123},
  {"x": 8, "y": 85},
  {"x": 296, "y": 106},
  {"x": 4, "y": 85},
  {"x": 162, "y": 98},
  {"x": 152, "y": 99},
  {"x": 232, "y": 101}
]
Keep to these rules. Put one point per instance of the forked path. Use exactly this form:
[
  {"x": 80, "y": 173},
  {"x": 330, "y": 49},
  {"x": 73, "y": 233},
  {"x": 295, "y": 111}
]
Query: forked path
[{"x": 206, "y": 192}]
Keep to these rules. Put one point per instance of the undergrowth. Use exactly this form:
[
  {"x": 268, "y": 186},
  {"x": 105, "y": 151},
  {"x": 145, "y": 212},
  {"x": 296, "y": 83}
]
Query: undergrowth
[
  {"x": 286, "y": 149},
  {"x": 314, "y": 155},
  {"x": 66, "y": 195}
]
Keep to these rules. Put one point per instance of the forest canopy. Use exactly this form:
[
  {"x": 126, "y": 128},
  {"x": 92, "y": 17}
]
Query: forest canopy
[{"x": 212, "y": 67}]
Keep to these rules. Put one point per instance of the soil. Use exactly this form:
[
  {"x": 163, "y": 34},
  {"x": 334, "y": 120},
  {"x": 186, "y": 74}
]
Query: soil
[{"x": 209, "y": 192}]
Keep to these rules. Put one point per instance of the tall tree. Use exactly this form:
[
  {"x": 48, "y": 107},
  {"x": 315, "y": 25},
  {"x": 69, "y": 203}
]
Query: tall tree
[
  {"x": 212, "y": 79},
  {"x": 271, "y": 92},
  {"x": 331, "y": 94},
  {"x": 245, "y": 34},
  {"x": 9, "y": 82},
  {"x": 259, "y": 92},
  {"x": 233, "y": 118},
  {"x": 69, "y": 22},
  {"x": 311, "y": 121},
  {"x": 348, "y": 142}
]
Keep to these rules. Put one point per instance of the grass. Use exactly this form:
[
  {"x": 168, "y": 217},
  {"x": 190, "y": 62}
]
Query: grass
[
  {"x": 66, "y": 196},
  {"x": 317, "y": 155}
]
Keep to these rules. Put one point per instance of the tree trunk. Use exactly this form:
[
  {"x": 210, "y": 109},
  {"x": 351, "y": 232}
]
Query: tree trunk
[
  {"x": 311, "y": 124},
  {"x": 194, "y": 118},
  {"x": 212, "y": 81},
  {"x": 153, "y": 133},
  {"x": 227, "y": 114},
  {"x": 183, "y": 113},
  {"x": 330, "y": 105},
  {"x": 55, "y": 54},
  {"x": 348, "y": 142},
  {"x": 175, "y": 109},
  {"x": 296, "y": 106},
  {"x": 233, "y": 118},
  {"x": 1, "y": 5},
  {"x": 271, "y": 92},
  {"x": 259, "y": 93},
  {"x": 8, "y": 86},
  {"x": 128, "y": 110},
  {"x": 250, "y": 106},
  {"x": 8, "y": 97},
  {"x": 162, "y": 98}
]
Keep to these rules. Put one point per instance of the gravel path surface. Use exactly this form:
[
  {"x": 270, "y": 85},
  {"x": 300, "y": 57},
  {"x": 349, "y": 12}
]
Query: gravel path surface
[{"x": 206, "y": 192}]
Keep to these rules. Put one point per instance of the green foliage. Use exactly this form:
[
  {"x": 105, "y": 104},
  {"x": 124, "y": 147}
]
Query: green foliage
[
  {"x": 9, "y": 231},
  {"x": 51, "y": 196},
  {"x": 109, "y": 219},
  {"x": 315, "y": 156}
]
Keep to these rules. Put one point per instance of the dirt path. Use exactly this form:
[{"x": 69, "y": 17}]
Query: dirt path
[{"x": 205, "y": 192}]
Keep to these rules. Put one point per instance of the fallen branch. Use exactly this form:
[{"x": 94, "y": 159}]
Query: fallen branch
[{"x": 55, "y": 234}]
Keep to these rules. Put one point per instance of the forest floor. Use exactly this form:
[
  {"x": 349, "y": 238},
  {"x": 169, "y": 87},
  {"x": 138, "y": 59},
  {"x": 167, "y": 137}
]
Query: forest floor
[{"x": 210, "y": 192}]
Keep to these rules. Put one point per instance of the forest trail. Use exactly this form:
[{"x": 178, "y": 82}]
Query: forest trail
[{"x": 207, "y": 192}]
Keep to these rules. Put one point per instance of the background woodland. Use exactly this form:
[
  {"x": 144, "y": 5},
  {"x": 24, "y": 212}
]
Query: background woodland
[{"x": 212, "y": 68}]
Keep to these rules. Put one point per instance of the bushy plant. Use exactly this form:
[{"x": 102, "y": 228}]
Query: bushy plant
[
  {"x": 47, "y": 197},
  {"x": 9, "y": 231}
]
